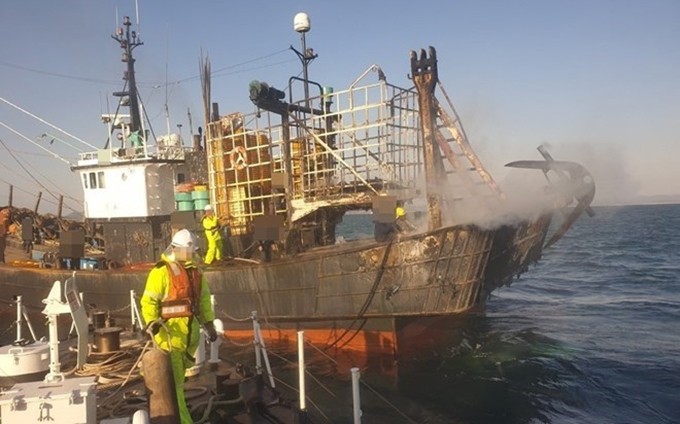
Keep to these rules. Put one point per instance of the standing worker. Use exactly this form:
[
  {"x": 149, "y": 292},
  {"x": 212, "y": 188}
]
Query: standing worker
[
  {"x": 177, "y": 292},
  {"x": 212, "y": 234},
  {"x": 4, "y": 226},
  {"x": 402, "y": 224},
  {"x": 27, "y": 233}
]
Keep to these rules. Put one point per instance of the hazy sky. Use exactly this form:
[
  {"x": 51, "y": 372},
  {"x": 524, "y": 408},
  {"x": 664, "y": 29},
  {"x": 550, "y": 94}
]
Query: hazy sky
[{"x": 599, "y": 81}]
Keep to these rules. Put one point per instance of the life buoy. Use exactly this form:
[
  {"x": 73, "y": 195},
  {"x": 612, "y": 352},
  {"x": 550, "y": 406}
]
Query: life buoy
[{"x": 237, "y": 157}]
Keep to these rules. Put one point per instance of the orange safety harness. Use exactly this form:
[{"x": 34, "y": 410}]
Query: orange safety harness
[{"x": 183, "y": 294}]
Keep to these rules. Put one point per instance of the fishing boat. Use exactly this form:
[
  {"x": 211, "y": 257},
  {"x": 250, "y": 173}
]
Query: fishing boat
[{"x": 282, "y": 178}]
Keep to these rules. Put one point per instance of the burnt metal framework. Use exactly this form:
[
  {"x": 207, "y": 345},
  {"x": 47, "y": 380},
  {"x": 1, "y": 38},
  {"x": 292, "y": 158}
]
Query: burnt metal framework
[
  {"x": 364, "y": 145},
  {"x": 343, "y": 150}
]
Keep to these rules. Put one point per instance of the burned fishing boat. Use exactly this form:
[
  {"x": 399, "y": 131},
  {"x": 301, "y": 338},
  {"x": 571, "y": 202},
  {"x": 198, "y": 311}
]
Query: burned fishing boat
[{"x": 282, "y": 178}]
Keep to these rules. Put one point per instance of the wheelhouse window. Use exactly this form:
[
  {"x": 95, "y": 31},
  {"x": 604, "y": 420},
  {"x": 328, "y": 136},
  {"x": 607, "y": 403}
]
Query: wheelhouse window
[{"x": 93, "y": 180}]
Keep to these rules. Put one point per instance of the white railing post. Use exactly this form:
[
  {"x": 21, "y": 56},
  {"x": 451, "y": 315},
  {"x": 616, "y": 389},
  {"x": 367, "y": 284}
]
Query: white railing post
[
  {"x": 19, "y": 317},
  {"x": 356, "y": 401},
  {"x": 301, "y": 369},
  {"x": 215, "y": 346}
]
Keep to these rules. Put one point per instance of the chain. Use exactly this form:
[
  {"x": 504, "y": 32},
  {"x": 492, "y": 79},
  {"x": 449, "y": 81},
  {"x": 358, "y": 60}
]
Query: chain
[
  {"x": 124, "y": 308},
  {"x": 231, "y": 318}
]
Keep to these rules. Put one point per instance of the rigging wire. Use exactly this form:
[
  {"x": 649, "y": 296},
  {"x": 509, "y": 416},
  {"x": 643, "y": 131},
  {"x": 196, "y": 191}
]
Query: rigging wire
[
  {"x": 46, "y": 123},
  {"x": 236, "y": 65},
  {"x": 54, "y": 74},
  {"x": 56, "y": 156},
  {"x": 31, "y": 175},
  {"x": 146, "y": 84},
  {"x": 44, "y": 177}
]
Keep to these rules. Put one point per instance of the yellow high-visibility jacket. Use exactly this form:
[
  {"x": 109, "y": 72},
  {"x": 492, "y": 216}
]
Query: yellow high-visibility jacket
[
  {"x": 183, "y": 332},
  {"x": 212, "y": 227}
]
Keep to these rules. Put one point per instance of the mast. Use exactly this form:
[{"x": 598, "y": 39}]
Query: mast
[
  {"x": 128, "y": 40},
  {"x": 302, "y": 25},
  {"x": 425, "y": 77}
]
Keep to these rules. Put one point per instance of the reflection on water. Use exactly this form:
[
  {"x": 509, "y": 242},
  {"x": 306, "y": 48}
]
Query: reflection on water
[{"x": 440, "y": 370}]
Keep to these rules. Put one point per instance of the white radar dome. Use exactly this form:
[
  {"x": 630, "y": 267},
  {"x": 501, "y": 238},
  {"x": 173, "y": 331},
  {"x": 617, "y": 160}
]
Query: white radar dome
[{"x": 301, "y": 22}]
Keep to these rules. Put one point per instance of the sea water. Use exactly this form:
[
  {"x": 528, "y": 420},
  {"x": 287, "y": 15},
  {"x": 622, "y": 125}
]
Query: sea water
[{"x": 591, "y": 334}]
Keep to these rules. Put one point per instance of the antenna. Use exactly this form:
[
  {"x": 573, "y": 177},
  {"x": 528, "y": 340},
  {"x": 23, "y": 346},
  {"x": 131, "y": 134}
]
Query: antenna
[
  {"x": 139, "y": 27},
  {"x": 167, "y": 58},
  {"x": 191, "y": 126},
  {"x": 302, "y": 25}
]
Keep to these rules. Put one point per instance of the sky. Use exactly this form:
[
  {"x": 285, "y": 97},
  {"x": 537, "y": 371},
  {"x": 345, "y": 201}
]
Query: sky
[{"x": 597, "y": 81}]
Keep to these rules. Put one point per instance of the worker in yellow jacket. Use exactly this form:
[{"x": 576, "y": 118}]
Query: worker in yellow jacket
[
  {"x": 178, "y": 293},
  {"x": 212, "y": 234}
]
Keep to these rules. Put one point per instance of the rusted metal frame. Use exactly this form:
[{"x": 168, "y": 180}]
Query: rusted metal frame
[
  {"x": 483, "y": 259},
  {"x": 456, "y": 291},
  {"x": 451, "y": 156},
  {"x": 468, "y": 151},
  {"x": 433, "y": 270},
  {"x": 424, "y": 73},
  {"x": 468, "y": 282},
  {"x": 336, "y": 156}
]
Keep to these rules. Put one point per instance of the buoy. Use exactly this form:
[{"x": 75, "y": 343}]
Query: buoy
[{"x": 237, "y": 157}]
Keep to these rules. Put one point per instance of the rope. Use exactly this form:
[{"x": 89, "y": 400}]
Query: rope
[
  {"x": 306, "y": 372},
  {"x": 390, "y": 404},
  {"x": 311, "y": 402},
  {"x": 367, "y": 302}
]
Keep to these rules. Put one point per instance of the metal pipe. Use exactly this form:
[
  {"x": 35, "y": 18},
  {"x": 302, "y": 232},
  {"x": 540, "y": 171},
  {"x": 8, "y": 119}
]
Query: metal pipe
[
  {"x": 304, "y": 69},
  {"x": 28, "y": 322},
  {"x": 19, "y": 317},
  {"x": 258, "y": 353},
  {"x": 356, "y": 401},
  {"x": 55, "y": 366},
  {"x": 265, "y": 356},
  {"x": 132, "y": 310},
  {"x": 301, "y": 369}
]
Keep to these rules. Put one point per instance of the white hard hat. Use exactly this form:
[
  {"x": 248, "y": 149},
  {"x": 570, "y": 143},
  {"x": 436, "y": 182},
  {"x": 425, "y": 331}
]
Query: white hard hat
[
  {"x": 207, "y": 208},
  {"x": 185, "y": 238}
]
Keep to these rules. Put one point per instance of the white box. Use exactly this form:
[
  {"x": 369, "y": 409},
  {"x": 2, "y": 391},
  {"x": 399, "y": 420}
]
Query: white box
[{"x": 73, "y": 401}]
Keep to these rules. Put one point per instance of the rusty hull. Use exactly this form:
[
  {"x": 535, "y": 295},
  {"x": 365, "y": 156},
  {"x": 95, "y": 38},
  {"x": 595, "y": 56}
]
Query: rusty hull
[{"x": 442, "y": 272}]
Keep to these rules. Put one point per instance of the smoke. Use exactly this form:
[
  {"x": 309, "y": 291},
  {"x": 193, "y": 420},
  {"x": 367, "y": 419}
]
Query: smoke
[
  {"x": 609, "y": 166},
  {"x": 527, "y": 195}
]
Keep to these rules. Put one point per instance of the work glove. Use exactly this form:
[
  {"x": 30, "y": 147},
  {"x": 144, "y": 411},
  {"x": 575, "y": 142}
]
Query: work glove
[
  {"x": 155, "y": 327},
  {"x": 210, "y": 330}
]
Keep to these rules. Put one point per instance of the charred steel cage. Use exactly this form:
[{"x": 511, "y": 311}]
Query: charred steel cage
[{"x": 359, "y": 143}]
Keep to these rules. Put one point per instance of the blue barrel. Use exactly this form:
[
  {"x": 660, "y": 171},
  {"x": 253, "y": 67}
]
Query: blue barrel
[
  {"x": 200, "y": 195},
  {"x": 199, "y": 204},
  {"x": 185, "y": 206},
  {"x": 183, "y": 196}
]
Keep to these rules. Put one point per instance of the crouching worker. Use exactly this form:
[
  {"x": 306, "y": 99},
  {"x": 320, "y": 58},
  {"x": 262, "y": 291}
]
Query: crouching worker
[{"x": 177, "y": 292}]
